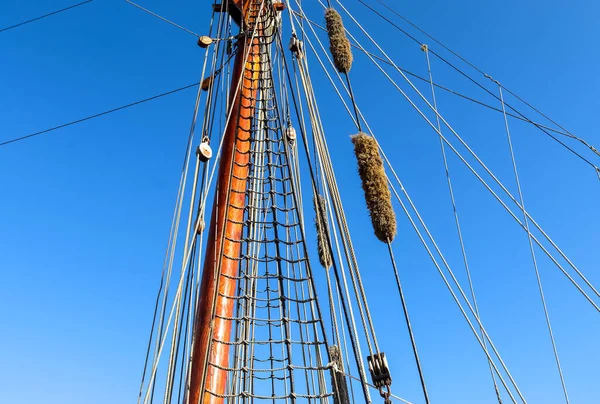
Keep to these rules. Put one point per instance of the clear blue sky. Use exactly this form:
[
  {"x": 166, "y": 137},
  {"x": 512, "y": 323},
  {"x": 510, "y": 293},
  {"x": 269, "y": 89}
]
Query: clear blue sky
[{"x": 85, "y": 211}]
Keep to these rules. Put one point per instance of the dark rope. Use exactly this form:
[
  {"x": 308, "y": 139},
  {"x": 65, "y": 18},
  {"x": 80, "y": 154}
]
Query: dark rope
[{"x": 408, "y": 324}]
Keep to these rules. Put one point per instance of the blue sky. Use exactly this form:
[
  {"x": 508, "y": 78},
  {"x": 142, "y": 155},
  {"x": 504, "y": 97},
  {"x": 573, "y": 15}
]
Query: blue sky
[{"x": 85, "y": 211}]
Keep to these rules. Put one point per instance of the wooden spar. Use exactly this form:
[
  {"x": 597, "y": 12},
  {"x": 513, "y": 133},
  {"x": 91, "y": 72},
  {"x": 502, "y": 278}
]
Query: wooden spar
[{"x": 224, "y": 239}]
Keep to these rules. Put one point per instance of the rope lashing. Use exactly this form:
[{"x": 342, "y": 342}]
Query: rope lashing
[
  {"x": 338, "y": 42},
  {"x": 320, "y": 223},
  {"x": 340, "y": 387},
  {"x": 375, "y": 186}
]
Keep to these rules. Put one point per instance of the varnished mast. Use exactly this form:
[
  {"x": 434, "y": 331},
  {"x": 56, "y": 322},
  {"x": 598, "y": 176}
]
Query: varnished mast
[{"x": 224, "y": 241}]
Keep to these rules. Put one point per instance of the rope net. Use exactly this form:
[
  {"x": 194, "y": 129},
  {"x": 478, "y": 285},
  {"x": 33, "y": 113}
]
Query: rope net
[
  {"x": 277, "y": 349},
  {"x": 275, "y": 346}
]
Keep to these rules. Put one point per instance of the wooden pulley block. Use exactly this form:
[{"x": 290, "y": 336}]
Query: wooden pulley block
[
  {"x": 200, "y": 225},
  {"x": 290, "y": 134},
  {"x": 296, "y": 46},
  {"x": 204, "y": 151},
  {"x": 207, "y": 83},
  {"x": 205, "y": 41}
]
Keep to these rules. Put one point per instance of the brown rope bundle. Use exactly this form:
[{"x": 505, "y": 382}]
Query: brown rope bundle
[
  {"x": 375, "y": 186},
  {"x": 320, "y": 223},
  {"x": 338, "y": 43}
]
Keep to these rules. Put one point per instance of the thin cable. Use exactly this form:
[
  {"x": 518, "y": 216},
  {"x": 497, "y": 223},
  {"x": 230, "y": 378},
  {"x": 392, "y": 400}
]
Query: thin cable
[
  {"x": 487, "y": 76},
  {"x": 488, "y": 91},
  {"x": 532, "y": 250},
  {"x": 439, "y": 252},
  {"x": 426, "y": 246},
  {"x": 462, "y": 158},
  {"x": 408, "y": 324},
  {"x": 320, "y": 141},
  {"x": 45, "y": 15},
  {"x": 498, "y": 182},
  {"x": 162, "y": 18},
  {"x": 592, "y": 148},
  {"x": 353, "y": 100},
  {"x": 441, "y": 87},
  {"x": 350, "y": 323},
  {"x": 64, "y": 125},
  {"x": 455, "y": 212}
]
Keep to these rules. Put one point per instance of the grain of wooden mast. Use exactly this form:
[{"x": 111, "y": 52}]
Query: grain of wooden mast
[{"x": 236, "y": 146}]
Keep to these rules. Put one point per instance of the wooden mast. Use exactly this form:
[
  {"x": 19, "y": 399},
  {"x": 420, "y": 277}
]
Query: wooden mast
[{"x": 221, "y": 264}]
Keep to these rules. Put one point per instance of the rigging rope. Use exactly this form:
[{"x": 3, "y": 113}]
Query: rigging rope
[
  {"x": 567, "y": 133},
  {"x": 347, "y": 309},
  {"x": 587, "y": 161},
  {"x": 325, "y": 162},
  {"x": 317, "y": 135},
  {"x": 532, "y": 250},
  {"x": 44, "y": 16},
  {"x": 421, "y": 238},
  {"x": 488, "y": 171},
  {"x": 334, "y": 37},
  {"x": 441, "y": 87},
  {"x": 171, "y": 247},
  {"x": 97, "y": 115},
  {"x": 162, "y": 18},
  {"x": 425, "y": 49},
  {"x": 408, "y": 323}
]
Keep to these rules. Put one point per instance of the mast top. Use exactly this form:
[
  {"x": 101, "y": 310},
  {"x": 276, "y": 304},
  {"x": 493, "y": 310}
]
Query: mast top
[{"x": 239, "y": 8}]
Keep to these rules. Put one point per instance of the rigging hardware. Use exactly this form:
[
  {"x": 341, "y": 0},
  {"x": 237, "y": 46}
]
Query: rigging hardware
[
  {"x": 380, "y": 374},
  {"x": 205, "y": 41},
  {"x": 204, "y": 151},
  {"x": 290, "y": 134},
  {"x": 296, "y": 46},
  {"x": 207, "y": 83}
]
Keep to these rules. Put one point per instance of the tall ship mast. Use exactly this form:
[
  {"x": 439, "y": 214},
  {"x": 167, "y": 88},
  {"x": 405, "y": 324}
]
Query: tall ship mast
[{"x": 262, "y": 297}]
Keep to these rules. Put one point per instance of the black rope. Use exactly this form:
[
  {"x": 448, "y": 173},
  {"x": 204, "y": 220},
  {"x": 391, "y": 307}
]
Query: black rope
[
  {"x": 353, "y": 100},
  {"x": 408, "y": 324},
  {"x": 353, "y": 337},
  {"x": 563, "y": 132},
  {"x": 110, "y": 111},
  {"x": 270, "y": 216},
  {"x": 45, "y": 15},
  {"x": 483, "y": 87},
  {"x": 487, "y": 76}
]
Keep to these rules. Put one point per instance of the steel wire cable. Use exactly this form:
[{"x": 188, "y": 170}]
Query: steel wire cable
[
  {"x": 581, "y": 157},
  {"x": 532, "y": 250},
  {"x": 99, "y": 114},
  {"x": 567, "y": 133},
  {"x": 348, "y": 109},
  {"x": 44, "y": 16},
  {"x": 455, "y": 214},
  {"x": 487, "y": 170}
]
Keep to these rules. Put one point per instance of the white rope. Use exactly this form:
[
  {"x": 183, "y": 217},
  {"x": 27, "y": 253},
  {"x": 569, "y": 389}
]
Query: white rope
[
  {"x": 439, "y": 252},
  {"x": 456, "y": 220},
  {"x": 531, "y": 248},
  {"x": 468, "y": 148},
  {"x": 171, "y": 251},
  {"x": 321, "y": 145},
  {"x": 349, "y": 318},
  {"x": 488, "y": 187}
]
